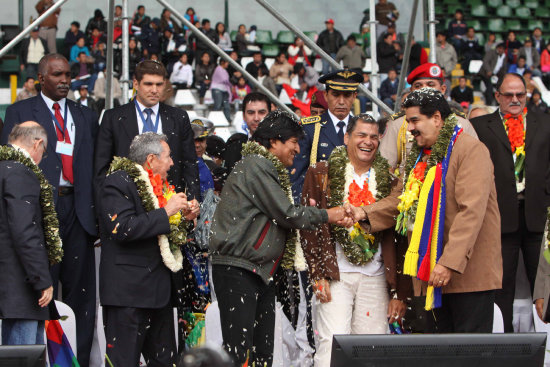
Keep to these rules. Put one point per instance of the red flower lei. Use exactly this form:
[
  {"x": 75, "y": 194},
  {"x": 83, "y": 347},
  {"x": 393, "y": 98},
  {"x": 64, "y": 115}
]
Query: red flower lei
[
  {"x": 159, "y": 187},
  {"x": 515, "y": 130},
  {"x": 360, "y": 196}
]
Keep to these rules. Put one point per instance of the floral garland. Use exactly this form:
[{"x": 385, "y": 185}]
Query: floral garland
[
  {"x": 515, "y": 129},
  {"x": 359, "y": 246},
  {"x": 50, "y": 223},
  {"x": 413, "y": 182},
  {"x": 293, "y": 255},
  {"x": 169, "y": 244},
  {"x": 163, "y": 191}
]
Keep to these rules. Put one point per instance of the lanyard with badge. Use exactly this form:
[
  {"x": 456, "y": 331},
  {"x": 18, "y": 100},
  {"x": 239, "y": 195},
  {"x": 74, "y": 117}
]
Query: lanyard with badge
[
  {"x": 62, "y": 147},
  {"x": 154, "y": 127}
]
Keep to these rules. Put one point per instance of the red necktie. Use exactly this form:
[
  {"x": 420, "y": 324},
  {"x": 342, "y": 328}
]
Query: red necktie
[{"x": 66, "y": 160}]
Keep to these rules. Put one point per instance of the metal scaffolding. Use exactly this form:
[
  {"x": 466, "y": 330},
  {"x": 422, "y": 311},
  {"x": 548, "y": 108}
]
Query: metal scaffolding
[
  {"x": 27, "y": 30},
  {"x": 225, "y": 56},
  {"x": 318, "y": 50}
]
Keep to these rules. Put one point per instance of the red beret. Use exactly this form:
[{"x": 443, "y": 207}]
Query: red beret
[
  {"x": 425, "y": 71},
  {"x": 318, "y": 100}
]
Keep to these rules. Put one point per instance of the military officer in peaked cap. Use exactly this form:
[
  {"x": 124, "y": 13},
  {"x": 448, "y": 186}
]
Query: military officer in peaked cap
[{"x": 325, "y": 132}]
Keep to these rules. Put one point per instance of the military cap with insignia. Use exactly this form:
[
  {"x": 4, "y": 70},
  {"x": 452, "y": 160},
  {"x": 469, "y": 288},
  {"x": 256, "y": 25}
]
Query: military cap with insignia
[
  {"x": 342, "y": 80},
  {"x": 201, "y": 127},
  {"x": 426, "y": 71}
]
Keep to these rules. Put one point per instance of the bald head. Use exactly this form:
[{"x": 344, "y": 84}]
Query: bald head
[{"x": 30, "y": 136}]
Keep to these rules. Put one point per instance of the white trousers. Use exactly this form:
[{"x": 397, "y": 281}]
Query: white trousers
[{"x": 359, "y": 306}]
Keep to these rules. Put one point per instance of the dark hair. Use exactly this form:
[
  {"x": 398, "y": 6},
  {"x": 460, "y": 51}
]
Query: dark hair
[
  {"x": 81, "y": 38},
  {"x": 429, "y": 100},
  {"x": 29, "y": 78},
  {"x": 256, "y": 97},
  {"x": 297, "y": 67},
  {"x": 280, "y": 53},
  {"x": 215, "y": 146},
  {"x": 471, "y": 28},
  {"x": 118, "y": 6},
  {"x": 256, "y": 53},
  {"x": 76, "y": 24},
  {"x": 441, "y": 33},
  {"x": 190, "y": 8},
  {"x": 264, "y": 70},
  {"x": 363, "y": 117},
  {"x": 522, "y": 57},
  {"x": 501, "y": 80},
  {"x": 140, "y": 7},
  {"x": 217, "y": 25},
  {"x": 278, "y": 125},
  {"x": 151, "y": 67},
  {"x": 205, "y": 20},
  {"x": 351, "y": 37},
  {"x": 81, "y": 53},
  {"x": 459, "y": 11}
]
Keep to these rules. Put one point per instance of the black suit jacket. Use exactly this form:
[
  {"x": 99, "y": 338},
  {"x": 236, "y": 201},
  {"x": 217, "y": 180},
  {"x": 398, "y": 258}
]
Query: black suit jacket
[
  {"x": 85, "y": 120},
  {"x": 491, "y": 132},
  {"x": 23, "y": 257},
  {"x": 131, "y": 272},
  {"x": 119, "y": 127}
]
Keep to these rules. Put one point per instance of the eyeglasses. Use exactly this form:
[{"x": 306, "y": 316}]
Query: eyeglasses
[{"x": 512, "y": 95}]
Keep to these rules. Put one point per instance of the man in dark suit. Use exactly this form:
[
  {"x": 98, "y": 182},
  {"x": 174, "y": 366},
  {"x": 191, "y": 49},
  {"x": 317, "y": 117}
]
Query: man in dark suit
[
  {"x": 26, "y": 288},
  {"x": 326, "y": 132},
  {"x": 135, "y": 285},
  {"x": 255, "y": 107},
  {"x": 523, "y": 196},
  {"x": 85, "y": 100},
  {"x": 144, "y": 113},
  {"x": 71, "y": 135}
]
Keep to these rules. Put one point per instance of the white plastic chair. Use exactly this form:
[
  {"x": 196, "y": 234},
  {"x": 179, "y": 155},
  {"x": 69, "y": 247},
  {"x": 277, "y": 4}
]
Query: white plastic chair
[
  {"x": 218, "y": 118},
  {"x": 269, "y": 62},
  {"x": 246, "y": 60},
  {"x": 184, "y": 97}
]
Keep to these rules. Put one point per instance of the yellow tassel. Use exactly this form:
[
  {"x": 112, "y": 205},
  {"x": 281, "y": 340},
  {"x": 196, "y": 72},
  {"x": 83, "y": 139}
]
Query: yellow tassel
[
  {"x": 411, "y": 257},
  {"x": 429, "y": 298}
]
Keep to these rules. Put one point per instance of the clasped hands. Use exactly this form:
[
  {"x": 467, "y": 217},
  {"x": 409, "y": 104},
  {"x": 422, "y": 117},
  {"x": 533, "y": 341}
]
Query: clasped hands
[
  {"x": 345, "y": 216},
  {"x": 179, "y": 203}
]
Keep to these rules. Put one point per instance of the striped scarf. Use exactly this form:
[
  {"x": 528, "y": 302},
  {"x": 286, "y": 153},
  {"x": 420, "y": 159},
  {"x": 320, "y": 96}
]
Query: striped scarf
[{"x": 426, "y": 243}]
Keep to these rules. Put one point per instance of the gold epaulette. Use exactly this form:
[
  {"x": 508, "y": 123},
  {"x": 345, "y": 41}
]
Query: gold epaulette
[
  {"x": 310, "y": 120},
  {"x": 397, "y": 115},
  {"x": 459, "y": 113}
]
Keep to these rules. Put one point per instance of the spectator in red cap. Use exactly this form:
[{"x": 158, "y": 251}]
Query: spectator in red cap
[
  {"x": 396, "y": 143},
  {"x": 330, "y": 40}
]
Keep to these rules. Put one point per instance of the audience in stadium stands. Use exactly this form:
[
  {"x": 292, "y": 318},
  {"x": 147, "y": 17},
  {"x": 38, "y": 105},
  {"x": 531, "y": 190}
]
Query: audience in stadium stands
[
  {"x": 28, "y": 90},
  {"x": 388, "y": 88},
  {"x": 221, "y": 89},
  {"x": 167, "y": 22},
  {"x": 79, "y": 47},
  {"x": 457, "y": 30},
  {"x": 224, "y": 40},
  {"x": 140, "y": 19},
  {"x": 385, "y": 12},
  {"x": 82, "y": 73},
  {"x": 299, "y": 52},
  {"x": 462, "y": 92},
  {"x": 182, "y": 74},
  {"x": 48, "y": 27},
  {"x": 257, "y": 62},
  {"x": 330, "y": 40},
  {"x": 281, "y": 70},
  {"x": 351, "y": 54},
  {"x": 32, "y": 50},
  {"x": 445, "y": 55},
  {"x": 203, "y": 74},
  {"x": 72, "y": 35}
]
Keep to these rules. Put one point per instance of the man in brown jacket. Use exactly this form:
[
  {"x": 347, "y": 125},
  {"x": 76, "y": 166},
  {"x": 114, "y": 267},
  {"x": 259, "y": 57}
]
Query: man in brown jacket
[
  {"x": 470, "y": 267},
  {"x": 360, "y": 287},
  {"x": 48, "y": 27}
]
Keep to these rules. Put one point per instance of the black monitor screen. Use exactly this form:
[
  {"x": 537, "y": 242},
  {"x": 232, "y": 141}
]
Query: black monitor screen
[
  {"x": 449, "y": 350},
  {"x": 22, "y": 355}
]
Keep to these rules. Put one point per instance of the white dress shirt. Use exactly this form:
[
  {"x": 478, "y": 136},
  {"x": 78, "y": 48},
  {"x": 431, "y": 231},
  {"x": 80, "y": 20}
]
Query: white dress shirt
[
  {"x": 155, "y": 109},
  {"x": 70, "y": 126}
]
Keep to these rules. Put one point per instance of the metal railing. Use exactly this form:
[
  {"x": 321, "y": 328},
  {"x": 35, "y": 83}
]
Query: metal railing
[{"x": 27, "y": 30}]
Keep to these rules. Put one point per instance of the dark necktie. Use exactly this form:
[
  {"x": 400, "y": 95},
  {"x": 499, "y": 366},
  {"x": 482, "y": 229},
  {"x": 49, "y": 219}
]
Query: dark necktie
[
  {"x": 63, "y": 135},
  {"x": 148, "y": 125},
  {"x": 341, "y": 126}
]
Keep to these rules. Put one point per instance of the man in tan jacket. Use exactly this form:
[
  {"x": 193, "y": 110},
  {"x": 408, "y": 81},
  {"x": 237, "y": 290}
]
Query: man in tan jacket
[{"x": 469, "y": 269}]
